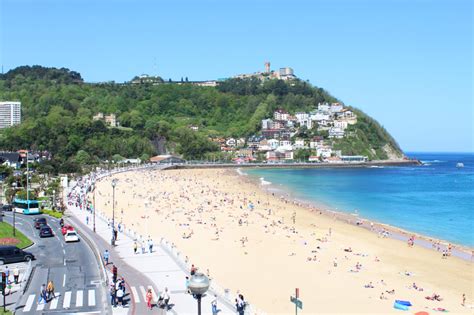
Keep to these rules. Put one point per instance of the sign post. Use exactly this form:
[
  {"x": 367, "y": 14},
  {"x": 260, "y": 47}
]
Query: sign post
[
  {"x": 4, "y": 286},
  {"x": 298, "y": 303}
]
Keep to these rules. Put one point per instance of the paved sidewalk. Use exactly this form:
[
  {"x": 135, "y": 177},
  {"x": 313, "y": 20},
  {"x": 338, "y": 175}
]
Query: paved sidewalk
[{"x": 160, "y": 267}]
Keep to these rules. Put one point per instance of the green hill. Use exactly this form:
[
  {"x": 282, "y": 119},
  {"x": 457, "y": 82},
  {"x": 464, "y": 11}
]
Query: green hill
[{"x": 57, "y": 109}]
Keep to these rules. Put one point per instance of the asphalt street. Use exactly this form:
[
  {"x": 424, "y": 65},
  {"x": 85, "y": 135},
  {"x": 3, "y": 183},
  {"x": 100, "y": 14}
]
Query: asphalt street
[{"x": 71, "y": 266}]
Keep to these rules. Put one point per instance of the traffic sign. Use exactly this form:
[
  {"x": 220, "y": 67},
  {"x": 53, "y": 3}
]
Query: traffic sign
[{"x": 297, "y": 302}]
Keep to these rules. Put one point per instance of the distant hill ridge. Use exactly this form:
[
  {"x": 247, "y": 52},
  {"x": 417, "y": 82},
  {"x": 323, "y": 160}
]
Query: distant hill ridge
[{"x": 58, "y": 109}]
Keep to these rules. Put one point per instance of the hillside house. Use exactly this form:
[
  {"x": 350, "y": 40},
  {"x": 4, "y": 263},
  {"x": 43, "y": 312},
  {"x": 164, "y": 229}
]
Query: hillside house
[
  {"x": 280, "y": 114},
  {"x": 336, "y": 132},
  {"x": 267, "y": 124}
]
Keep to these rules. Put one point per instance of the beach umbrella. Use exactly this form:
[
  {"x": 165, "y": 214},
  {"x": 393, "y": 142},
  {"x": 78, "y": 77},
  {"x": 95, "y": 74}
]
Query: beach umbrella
[{"x": 422, "y": 313}]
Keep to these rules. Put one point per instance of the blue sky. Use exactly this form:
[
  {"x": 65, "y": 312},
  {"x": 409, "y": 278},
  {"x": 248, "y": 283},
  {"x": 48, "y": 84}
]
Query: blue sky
[{"x": 407, "y": 63}]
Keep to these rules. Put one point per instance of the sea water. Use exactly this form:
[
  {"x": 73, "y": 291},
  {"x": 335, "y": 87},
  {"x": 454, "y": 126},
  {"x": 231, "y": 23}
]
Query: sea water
[{"x": 435, "y": 199}]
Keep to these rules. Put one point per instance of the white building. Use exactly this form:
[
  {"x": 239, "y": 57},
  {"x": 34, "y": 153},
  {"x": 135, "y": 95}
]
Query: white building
[
  {"x": 340, "y": 124},
  {"x": 280, "y": 114},
  {"x": 267, "y": 124},
  {"x": 231, "y": 142},
  {"x": 324, "y": 152},
  {"x": 10, "y": 114},
  {"x": 336, "y": 107},
  {"x": 320, "y": 115},
  {"x": 336, "y": 132},
  {"x": 323, "y": 107},
  {"x": 299, "y": 144},
  {"x": 273, "y": 143}
]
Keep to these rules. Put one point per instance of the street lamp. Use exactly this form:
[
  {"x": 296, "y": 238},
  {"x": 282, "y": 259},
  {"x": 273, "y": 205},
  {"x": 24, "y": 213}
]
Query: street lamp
[
  {"x": 93, "y": 204},
  {"x": 198, "y": 285},
  {"x": 114, "y": 183},
  {"x": 54, "y": 199},
  {"x": 13, "y": 210}
]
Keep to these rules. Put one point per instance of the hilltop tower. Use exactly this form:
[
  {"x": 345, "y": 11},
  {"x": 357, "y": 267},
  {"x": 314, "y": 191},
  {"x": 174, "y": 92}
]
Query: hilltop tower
[{"x": 267, "y": 67}]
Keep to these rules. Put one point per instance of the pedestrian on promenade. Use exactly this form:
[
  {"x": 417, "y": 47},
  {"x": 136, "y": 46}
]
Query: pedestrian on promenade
[
  {"x": 112, "y": 295},
  {"x": 120, "y": 295},
  {"x": 114, "y": 273},
  {"x": 42, "y": 297},
  {"x": 87, "y": 220},
  {"x": 142, "y": 244},
  {"x": 187, "y": 285},
  {"x": 135, "y": 247},
  {"x": 106, "y": 257},
  {"x": 165, "y": 297},
  {"x": 115, "y": 234},
  {"x": 16, "y": 275},
  {"x": 240, "y": 304},
  {"x": 7, "y": 275},
  {"x": 50, "y": 290},
  {"x": 193, "y": 270},
  {"x": 150, "y": 245},
  {"x": 149, "y": 297},
  {"x": 215, "y": 310}
]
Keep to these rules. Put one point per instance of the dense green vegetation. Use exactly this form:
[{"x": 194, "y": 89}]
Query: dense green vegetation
[{"x": 57, "y": 109}]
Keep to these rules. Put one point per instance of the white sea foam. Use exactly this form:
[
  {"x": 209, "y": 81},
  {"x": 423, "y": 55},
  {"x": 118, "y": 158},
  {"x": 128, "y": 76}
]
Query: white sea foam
[
  {"x": 264, "y": 182},
  {"x": 241, "y": 173}
]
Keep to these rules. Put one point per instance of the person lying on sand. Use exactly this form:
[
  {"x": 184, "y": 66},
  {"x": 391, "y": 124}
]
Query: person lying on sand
[
  {"x": 369, "y": 285},
  {"x": 349, "y": 250},
  {"x": 434, "y": 297},
  {"x": 391, "y": 291}
]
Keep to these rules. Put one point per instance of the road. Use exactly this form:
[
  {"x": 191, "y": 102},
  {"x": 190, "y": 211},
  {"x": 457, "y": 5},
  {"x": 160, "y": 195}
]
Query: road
[{"x": 71, "y": 266}]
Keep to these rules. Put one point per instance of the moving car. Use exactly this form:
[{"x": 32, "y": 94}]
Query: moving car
[
  {"x": 66, "y": 228},
  {"x": 12, "y": 254},
  {"x": 45, "y": 231},
  {"x": 7, "y": 208},
  {"x": 71, "y": 236},
  {"x": 40, "y": 222}
]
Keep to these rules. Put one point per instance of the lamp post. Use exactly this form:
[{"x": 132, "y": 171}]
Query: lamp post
[
  {"x": 114, "y": 183},
  {"x": 93, "y": 205},
  {"x": 198, "y": 285},
  {"x": 54, "y": 199},
  {"x": 13, "y": 210}
]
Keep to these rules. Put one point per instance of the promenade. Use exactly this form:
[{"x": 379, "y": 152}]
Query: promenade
[{"x": 161, "y": 267}]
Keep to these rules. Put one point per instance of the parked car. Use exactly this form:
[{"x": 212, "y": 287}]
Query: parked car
[
  {"x": 12, "y": 254},
  {"x": 66, "y": 228},
  {"x": 7, "y": 207},
  {"x": 71, "y": 236},
  {"x": 40, "y": 222},
  {"x": 46, "y": 231}
]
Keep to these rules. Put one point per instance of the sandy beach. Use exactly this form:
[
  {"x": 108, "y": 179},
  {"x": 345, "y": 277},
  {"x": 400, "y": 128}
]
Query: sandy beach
[{"x": 264, "y": 246}]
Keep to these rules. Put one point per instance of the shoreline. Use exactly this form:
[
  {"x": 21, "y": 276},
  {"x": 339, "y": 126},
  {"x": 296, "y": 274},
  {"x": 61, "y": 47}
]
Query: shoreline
[
  {"x": 299, "y": 165},
  {"x": 458, "y": 250}
]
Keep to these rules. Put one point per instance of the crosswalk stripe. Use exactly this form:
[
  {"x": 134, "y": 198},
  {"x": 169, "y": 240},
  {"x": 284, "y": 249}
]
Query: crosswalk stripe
[
  {"x": 79, "y": 298},
  {"x": 155, "y": 298},
  {"x": 54, "y": 303},
  {"x": 40, "y": 306},
  {"x": 142, "y": 290},
  {"x": 91, "y": 298},
  {"x": 29, "y": 303},
  {"x": 135, "y": 295},
  {"x": 67, "y": 299}
]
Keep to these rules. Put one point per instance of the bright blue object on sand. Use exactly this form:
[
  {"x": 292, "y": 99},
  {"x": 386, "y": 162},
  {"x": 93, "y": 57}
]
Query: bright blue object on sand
[
  {"x": 407, "y": 303},
  {"x": 399, "y": 306}
]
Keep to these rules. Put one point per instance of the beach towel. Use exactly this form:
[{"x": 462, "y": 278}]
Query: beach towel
[
  {"x": 399, "y": 306},
  {"x": 407, "y": 303}
]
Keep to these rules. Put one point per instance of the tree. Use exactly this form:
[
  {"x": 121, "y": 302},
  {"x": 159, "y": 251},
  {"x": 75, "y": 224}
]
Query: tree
[
  {"x": 302, "y": 154},
  {"x": 117, "y": 158},
  {"x": 82, "y": 157}
]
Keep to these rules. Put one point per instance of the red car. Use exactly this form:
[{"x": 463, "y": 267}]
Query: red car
[{"x": 66, "y": 228}]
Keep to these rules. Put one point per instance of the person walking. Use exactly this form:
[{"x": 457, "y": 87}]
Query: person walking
[
  {"x": 113, "y": 301},
  {"x": 16, "y": 275},
  {"x": 106, "y": 257},
  {"x": 149, "y": 297},
  {"x": 42, "y": 296},
  {"x": 114, "y": 273},
  {"x": 135, "y": 247},
  {"x": 214, "y": 308},
  {"x": 120, "y": 295},
  {"x": 50, "y": 290},
  {"x": 150, "y": 245},
  {"x": 165, "y": 296}
]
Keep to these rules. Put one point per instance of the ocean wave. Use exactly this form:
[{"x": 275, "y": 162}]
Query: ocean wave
[
  {"x": 264, "y": 182},
  {"x": 432, "y": 161},
  {"x": 240, "y": 172}
]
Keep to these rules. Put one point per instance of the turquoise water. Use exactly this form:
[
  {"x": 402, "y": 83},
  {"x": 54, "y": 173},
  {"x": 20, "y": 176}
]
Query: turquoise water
[{"x": 436, "y": 199}]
